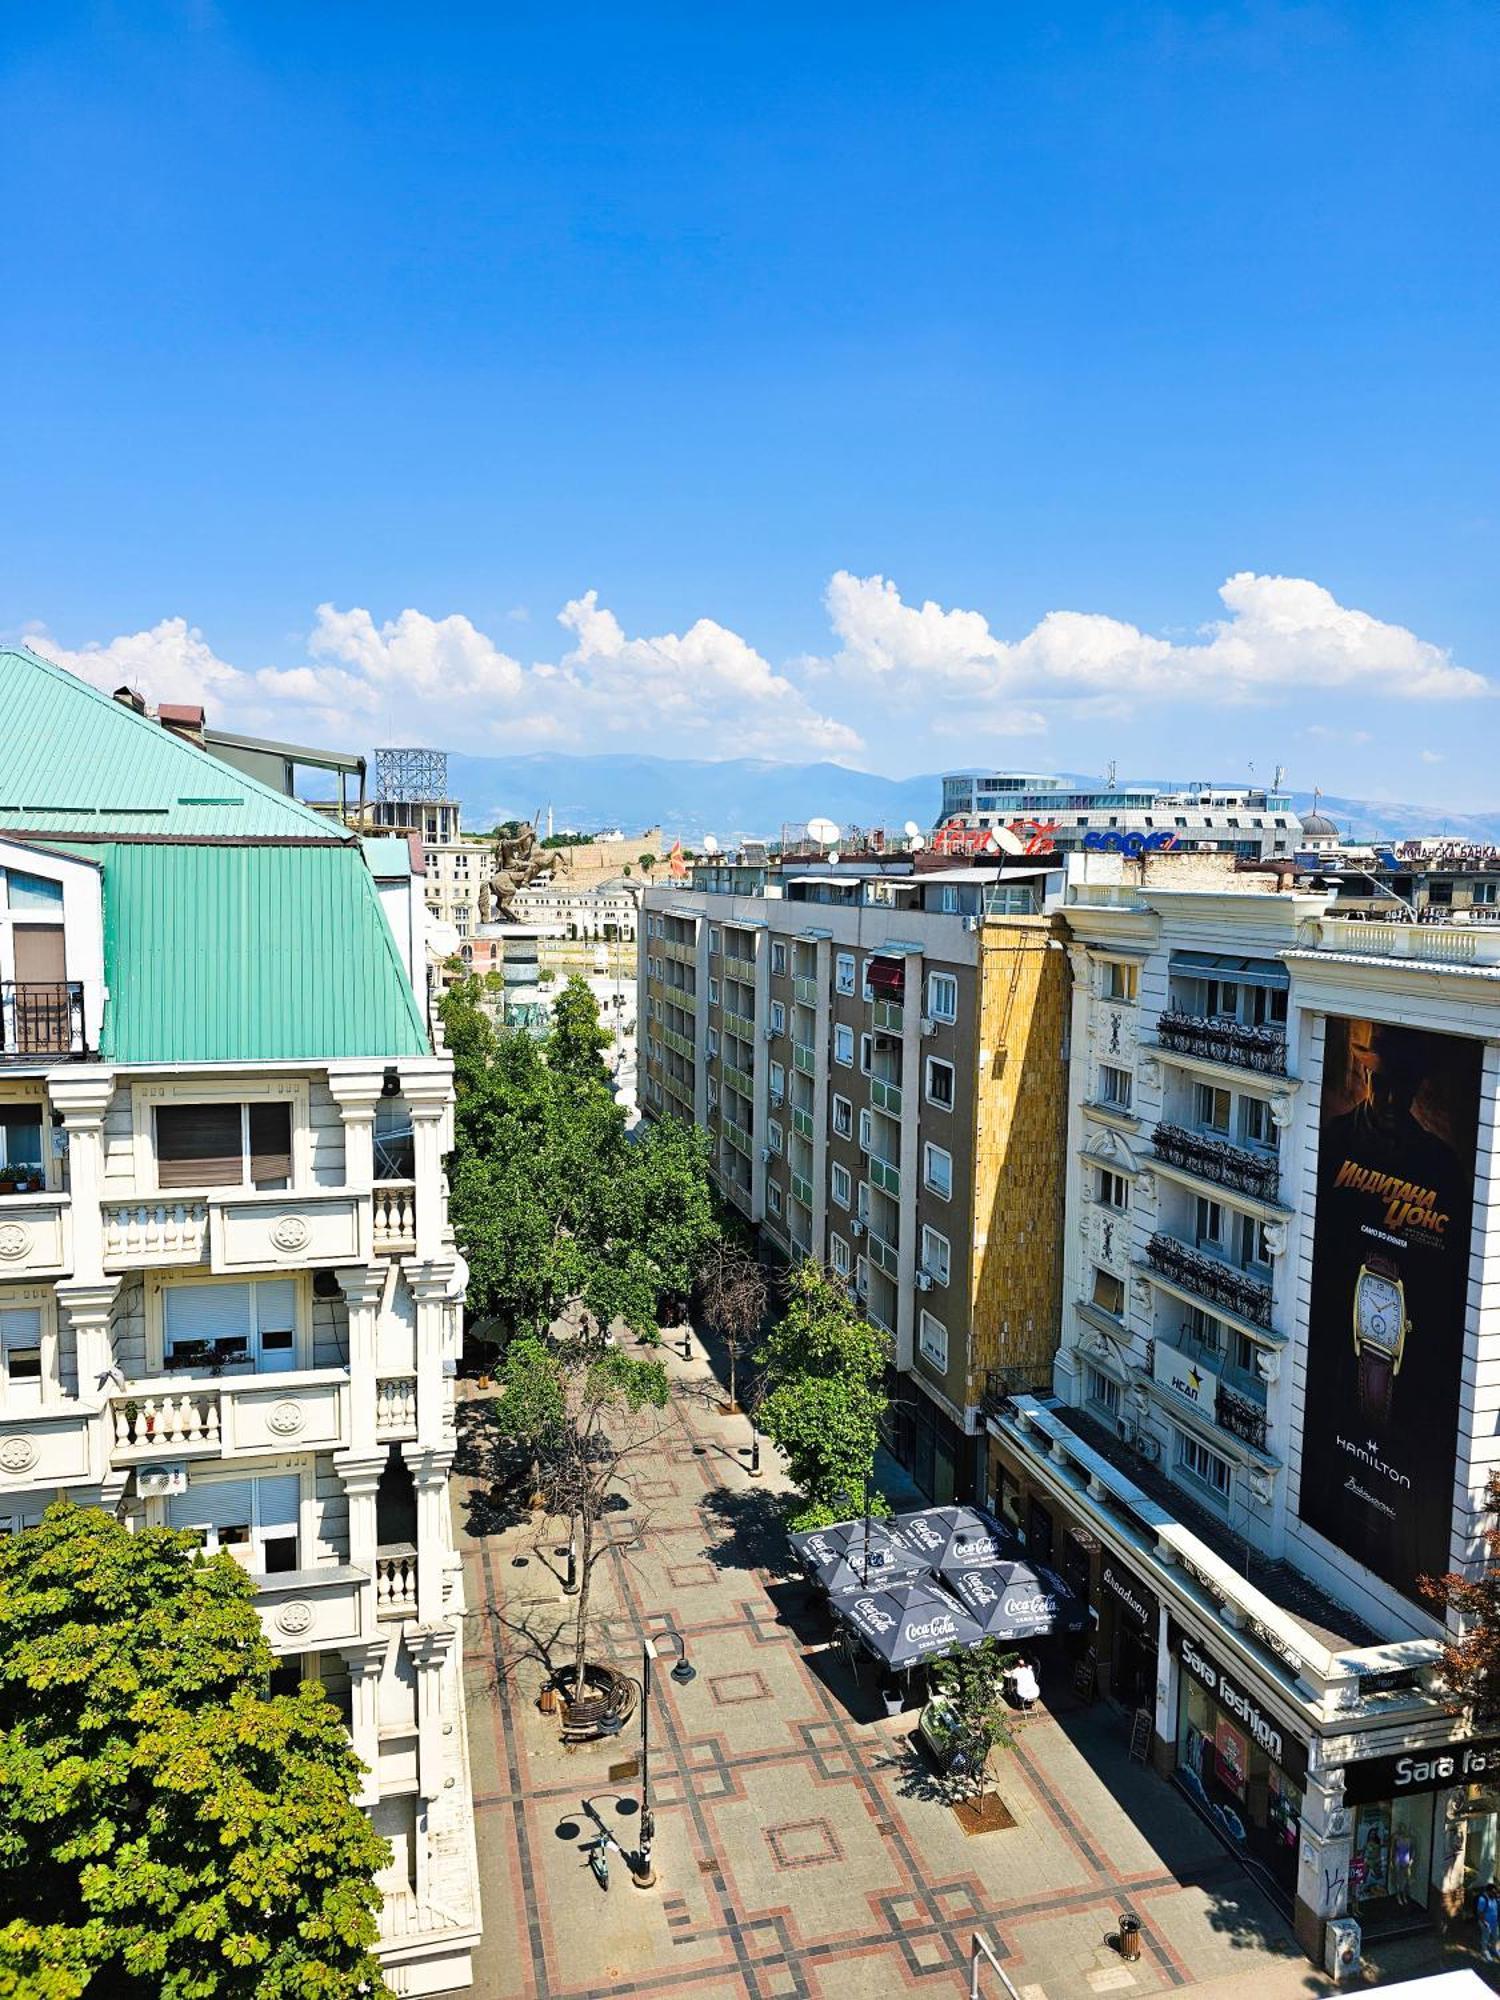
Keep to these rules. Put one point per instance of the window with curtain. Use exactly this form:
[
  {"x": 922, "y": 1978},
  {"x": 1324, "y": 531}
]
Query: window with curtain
[
  {"x": 223, "y": 1145},
  {"x": 21, "y": 1137}
]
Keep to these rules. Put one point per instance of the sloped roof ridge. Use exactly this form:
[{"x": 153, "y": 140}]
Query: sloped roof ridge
[{"x": 211, "y": 766}]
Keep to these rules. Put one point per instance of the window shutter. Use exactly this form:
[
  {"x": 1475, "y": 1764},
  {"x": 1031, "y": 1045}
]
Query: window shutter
[
  {"x": 280, "y": 1500},
  {"x": 215, "y": 1503},
  {"x": 205, "y": 1312},
  {"x": 20, "y": 1326},
  {"x": 270, "y": 1143},
  {"x": 199, "y": 1145}
]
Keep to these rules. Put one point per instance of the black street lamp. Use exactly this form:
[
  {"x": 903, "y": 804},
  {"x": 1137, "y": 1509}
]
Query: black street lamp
[{"x": 641, "y": 1872}]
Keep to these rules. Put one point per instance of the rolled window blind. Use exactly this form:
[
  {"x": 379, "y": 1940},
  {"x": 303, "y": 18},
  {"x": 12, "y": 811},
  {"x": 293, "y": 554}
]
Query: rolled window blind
[
  {"x": 199, "y": 1145},
  {"x": 270, "y": 1144},
  {"x": 206, "y": 1312}
]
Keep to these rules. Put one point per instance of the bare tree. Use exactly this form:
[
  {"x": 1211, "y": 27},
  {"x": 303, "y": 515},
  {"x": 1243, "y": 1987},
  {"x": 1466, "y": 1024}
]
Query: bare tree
[{"x": 733, "y": 1290}]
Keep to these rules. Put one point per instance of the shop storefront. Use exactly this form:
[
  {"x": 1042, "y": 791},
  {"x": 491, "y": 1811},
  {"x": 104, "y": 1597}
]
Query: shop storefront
[
  {"x": 1239, "y": 1764},
  {"x": 1129, "y": 1629},
  {"x": 927, "y": 1443},
  {"x": 1403, "y": 1809}
]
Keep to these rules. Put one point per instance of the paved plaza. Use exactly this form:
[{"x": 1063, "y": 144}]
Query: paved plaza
[{"x": 802, "y": 1846}]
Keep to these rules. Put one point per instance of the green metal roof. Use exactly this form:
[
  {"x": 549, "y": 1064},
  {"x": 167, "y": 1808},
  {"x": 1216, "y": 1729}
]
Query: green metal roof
[
  {"x": 75, "y": 762},
  {"x": 249, "y": 954}
]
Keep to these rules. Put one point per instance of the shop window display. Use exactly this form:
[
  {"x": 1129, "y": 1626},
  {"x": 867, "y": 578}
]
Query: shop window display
[
  {"x": 1255, "y": 1805},
  {"x": 1390, "y": 1866}
]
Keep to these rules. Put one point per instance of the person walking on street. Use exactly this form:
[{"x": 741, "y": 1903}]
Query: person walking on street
[{"x": 1487, "y": 1912}]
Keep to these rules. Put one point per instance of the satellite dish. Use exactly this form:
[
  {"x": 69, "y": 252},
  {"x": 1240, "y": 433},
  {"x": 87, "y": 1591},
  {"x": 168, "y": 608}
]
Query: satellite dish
[
  {"x": 824, "y": 831},
  {"x": 710, "y": 843},
  {"x": 833, "y": 854},
  {"x": 918, "y": 842},
  {"x": 912, "y": 830}
]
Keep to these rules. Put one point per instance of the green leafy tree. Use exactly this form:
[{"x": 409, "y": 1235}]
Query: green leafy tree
[
  {"x": 576, "y": 1044},
  {"x": 1471, "y": 1650},
  {"x": 647, "y": 862},
  {"x": 581, "y": 1410},
  {"x": 971, "y": 1682},
  {"x": 169, "y": 1829},
  {"x": 824, "y": 1367}
]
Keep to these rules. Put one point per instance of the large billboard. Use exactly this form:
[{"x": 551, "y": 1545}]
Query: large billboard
[{"x": 1398, "y": 1134}]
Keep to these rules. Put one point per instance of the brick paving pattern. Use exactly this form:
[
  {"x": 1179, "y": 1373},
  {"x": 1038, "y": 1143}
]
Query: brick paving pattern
[{"x": 802, "y": 1849}]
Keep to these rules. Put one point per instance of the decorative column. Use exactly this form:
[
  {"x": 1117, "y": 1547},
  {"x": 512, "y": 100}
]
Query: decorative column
[
  {"x": 83, "y": 1097},
  {"x": 1325, "y": 1849},
  {"x": 429, "y": 1098},
  {"x": 363, "y": 1286},
  {"x": 361, "y": 1479},
  {"x": 356, "y": 1093},
  {"x": 429, "y": 1650},
  {"x": 88, "y": 1308},
  {"x": 366, "y": 1664},
  {"x": 429, "y": 1471}
]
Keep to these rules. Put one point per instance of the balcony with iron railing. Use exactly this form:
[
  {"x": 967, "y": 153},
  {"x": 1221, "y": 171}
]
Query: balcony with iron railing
[
  {"x": 42, "y": 1021},
  {"x": 1209, "y": 1158},
  {"x": 1242, "y": 1417},
  {"x": 1210, "y": 1280},
  {"x": 1232, "y": 1043}
]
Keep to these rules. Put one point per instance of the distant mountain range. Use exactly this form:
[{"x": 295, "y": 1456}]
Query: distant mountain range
[{"x": 750, "y": 796}]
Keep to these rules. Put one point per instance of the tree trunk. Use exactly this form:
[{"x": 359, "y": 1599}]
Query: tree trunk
[
  {"x": 734, "y": 1401},
  {"x": 586, "y": 1517}
]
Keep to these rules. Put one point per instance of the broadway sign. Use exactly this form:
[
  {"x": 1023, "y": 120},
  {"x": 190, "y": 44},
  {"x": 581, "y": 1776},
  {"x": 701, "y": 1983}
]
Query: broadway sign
[{"x": 1397, "y": 1140}]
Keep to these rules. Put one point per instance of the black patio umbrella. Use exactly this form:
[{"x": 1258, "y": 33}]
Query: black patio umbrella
[
  {"x": 836, "y": 1558},
  {"x": 957, "y": 1538},
  {"x": 906, "y": 1622},
  {"x": 1018, "y": 1600}
]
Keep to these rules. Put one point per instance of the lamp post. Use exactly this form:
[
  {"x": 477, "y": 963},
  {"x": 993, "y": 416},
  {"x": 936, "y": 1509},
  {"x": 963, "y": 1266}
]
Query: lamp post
[
  {"x": 641, "y": 1872},
  {"x": 754, "y": 1449}
]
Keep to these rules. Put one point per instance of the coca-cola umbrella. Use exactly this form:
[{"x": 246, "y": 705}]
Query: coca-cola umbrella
[
  {"x": 954, "y": 1538},
  {"x": 837, "y": 1558},
  {"x": 906, "y": 1622},
  {"x": 1018, "y": 1600}
]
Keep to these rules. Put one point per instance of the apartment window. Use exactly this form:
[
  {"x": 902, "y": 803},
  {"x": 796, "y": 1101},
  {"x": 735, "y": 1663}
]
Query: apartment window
[
  {"x": 940, "y": 1083},
  {"x": 1121, "y": 979},
  {"x": 1109, "y": 1292},
  {"x": 866, "y": 1053},
  {"x": 209, "y": 1326},
  {"x": 843, "y": 1118},
  {"x": 948, "y": 899},
  {"x": 21, "y": 1354},
  {"x": 1112, "y": 1190},
  {"x": 1254, "y": 1249},
  {"x": 713, "y": 1041},
  {"x": 866, "y": 1130},
  {"x": 773, "y": 1135},
  {"x": 778, "y": 960},
  {"x": 395, "y": 1151},
  {"x": 21, "y": 1138},
  {"x": 223, "y": 1145},
  {"x": 1483, "y": 895},
  {"x": 843, "y": 1046},
  {"x": 1203, "y": 1465},
  {"x": 937, "y": 1169},
  {"x": 935, "y": 1256},
  {"x": 1213, "y": 1108},
  {"x": 254, "y": 1519},
  {"x": 713, "y": 992},
  {"x": 1208, "y": 1221},
  {"x": 844, "y": 972},
  {"x": 841, "y": 1184},
  {"x": 933, "y": 1343},
  {"x": 778, "y": 1082},
  {"x": 1114, "y": 1086},
  {"x": 1102, "y": 1392},
  {"x": 778, "y": 1017},
  {"x": 713, "y": 943},
  {"x": 773, "y": 1197},
  {"x": 1257, "y": 1127},
  {"x": 713, "y": 1092},
  {"x": 838, "y": 1255},
  {"x": 942, "y": 996}
]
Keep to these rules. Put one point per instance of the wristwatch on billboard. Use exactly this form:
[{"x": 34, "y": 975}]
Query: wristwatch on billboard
[{"x": 1380, "y": 1330}]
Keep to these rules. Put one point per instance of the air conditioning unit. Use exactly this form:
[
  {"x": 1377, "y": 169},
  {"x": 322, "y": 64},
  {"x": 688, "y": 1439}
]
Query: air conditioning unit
[
  {"x": 856, "y": 1227},
  {"x": 924, "y": 1281},
  {"x": 159, "y": 1482},
  {"x": 929, "y": 1026},
  {"x": 765, "y": 1155},
  {"x": 972, "y": 923}
]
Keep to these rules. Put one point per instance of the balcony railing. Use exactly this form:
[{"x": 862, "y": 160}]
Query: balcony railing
[
  {"x": 1217, "y": 1161},
  {"x": 241, "y": 1411},
  {"x": 738, "y": 1079},
  {"x": 802, "y": 1190},
  {"x": 42, "y": 1021},
  {"x": 890, "y": 1015},
  {"x": 395, "y": 1406},
  {"x": 881, "y": 1253},
  {"x": 1241, "y": 1417},
  {"x": 395, "y": 1217},
  {"x": 161, "y": 1231},
  {"x": 802, "y": 1122},
  {"x": 739, "y": 968},
  {"x": 806, "y": 990},
  {"x": 739, "y": 1024},
  {"x": 1228, "y": 1042},
  {"x": 396, "y": 1581},
  {"x": 804, "y": 1057},
  {"x": 1207, "y": 1278},
  {"x": 739, "y": 1138},
  {"x": 885, "y": 1176},
  {"x": 886, "y": 1097}
]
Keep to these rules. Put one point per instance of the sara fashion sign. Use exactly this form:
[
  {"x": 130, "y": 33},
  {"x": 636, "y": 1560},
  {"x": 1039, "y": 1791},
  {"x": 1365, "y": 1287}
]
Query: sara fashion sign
[
  {"x": 1131, "y": 1597},
  {"x": 1397, "y": 1139},
  {"x": 1286, "y": 1751},
  {"x": 1414, "y": 1771}
]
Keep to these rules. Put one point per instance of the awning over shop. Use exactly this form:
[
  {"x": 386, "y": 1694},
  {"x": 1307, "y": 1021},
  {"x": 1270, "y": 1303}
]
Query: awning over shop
[
  {"x": 956, "y": 1538},
  {"x": 1222, "y": 965},
  {"x": 906, "y": 1623},
  {"x": 836, "y": 1558},
  {"x": 1018, "y": 1600}
]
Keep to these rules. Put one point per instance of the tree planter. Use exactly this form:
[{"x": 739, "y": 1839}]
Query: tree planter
[
  {"x": 605, "y": 1706},
  {"x": 987, "y": 1814}
]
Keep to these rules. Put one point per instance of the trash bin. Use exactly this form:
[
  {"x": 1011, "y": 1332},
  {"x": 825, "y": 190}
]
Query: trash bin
[{"x": 1130, "y": 1936}]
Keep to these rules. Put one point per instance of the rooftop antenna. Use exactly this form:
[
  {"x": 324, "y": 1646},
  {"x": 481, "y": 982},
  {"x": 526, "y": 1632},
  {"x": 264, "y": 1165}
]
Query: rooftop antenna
[
  {"x": 1277, "y": 780},
  {"x": 1109, "y": 776}
]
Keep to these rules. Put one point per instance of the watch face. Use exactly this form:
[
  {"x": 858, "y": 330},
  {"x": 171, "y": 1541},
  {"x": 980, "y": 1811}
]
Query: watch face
[{"x": 1377, "y": 1307}]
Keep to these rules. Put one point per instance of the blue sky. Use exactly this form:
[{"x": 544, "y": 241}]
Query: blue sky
[{"x": 348, "y": 346}]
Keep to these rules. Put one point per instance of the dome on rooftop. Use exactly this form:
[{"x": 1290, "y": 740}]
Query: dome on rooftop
[{"x": 1318, "y": 824}]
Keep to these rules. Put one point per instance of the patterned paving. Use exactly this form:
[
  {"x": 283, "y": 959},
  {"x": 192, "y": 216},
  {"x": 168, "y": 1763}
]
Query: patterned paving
[{"x": 801, "y": 1851}]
